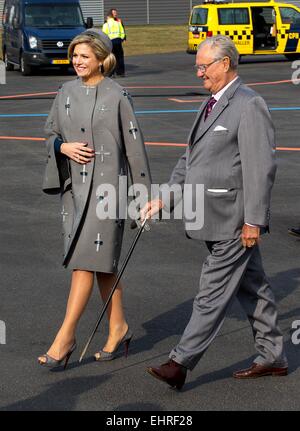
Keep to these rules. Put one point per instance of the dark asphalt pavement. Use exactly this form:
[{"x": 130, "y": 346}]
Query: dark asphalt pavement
[{"x": 162, "y": 276}]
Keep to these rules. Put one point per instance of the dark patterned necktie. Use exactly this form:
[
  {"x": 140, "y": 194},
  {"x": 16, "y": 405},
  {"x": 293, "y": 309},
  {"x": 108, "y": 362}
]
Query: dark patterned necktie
[{"x": 209, "y": 107}]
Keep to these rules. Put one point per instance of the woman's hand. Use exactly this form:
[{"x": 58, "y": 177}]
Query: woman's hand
[{"x": 77, "y": 151}]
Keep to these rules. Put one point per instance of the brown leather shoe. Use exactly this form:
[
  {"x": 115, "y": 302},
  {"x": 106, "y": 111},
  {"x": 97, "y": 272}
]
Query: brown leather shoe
[
  {"x": 259, "y": 370},
  {"x": 172, "y": 373}
]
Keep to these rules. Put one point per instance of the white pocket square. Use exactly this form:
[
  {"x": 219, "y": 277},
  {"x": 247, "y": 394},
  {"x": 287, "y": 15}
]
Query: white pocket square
[
  {"x": 218, "y": 128},
  {"x": 218, "y": 190}
]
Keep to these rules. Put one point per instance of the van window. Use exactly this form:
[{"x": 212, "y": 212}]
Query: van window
[
  {"x": 11, "y": 15},
  {"x": 39, "y": 15},
  {"x": 289, "y": 16},
  {"x": 233, "y": 16},
  {"x": 199, "y": 16}
]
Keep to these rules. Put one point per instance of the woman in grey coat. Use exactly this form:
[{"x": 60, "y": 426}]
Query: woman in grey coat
[{"x": 93, "y": 139}]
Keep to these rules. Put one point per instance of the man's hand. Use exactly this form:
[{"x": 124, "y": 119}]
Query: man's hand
[
  {"x": 78, "y": 151},
  {"x": 250, "y": 235},
  {"x": 151, "y": 208}
]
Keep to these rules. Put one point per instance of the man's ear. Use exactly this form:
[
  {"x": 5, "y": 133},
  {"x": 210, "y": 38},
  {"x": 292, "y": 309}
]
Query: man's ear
[{"x": 227, "y": 65}]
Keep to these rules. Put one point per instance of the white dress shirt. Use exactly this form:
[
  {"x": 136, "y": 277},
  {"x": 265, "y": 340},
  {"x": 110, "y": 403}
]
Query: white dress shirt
[{"x": 220, "y": 93}]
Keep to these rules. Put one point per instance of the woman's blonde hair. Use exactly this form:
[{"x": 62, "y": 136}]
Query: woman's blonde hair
[{"x": 99, "y": 48}]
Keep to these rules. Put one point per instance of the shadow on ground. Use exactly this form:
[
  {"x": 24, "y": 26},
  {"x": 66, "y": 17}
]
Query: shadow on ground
[{"x": 60, "y": 395}]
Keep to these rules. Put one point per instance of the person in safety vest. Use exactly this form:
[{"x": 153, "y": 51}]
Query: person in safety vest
[
  {"x": 115, "y": 15},
  {"x": 115, "y": 31}
]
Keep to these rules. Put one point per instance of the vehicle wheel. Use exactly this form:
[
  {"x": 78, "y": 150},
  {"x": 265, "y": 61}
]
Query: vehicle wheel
[
  {"x": 24, "y": 66},
  {"x": 292, "y": 57},
  {"x": 8, "y": 66}
]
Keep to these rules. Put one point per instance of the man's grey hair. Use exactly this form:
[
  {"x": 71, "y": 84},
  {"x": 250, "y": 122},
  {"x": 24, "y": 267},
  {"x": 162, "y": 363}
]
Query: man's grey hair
[{"x": 222, "y": 46}]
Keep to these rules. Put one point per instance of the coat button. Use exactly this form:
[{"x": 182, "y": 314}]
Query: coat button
[
  {"x": 143, "y": 174},
  {"x": 49, "y": 157},
  {"x": 82, "y": 129}
]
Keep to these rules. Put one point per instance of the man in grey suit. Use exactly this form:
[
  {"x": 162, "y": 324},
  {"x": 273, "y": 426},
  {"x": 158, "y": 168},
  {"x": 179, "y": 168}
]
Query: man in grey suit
[{"x": 231, "y": 151}]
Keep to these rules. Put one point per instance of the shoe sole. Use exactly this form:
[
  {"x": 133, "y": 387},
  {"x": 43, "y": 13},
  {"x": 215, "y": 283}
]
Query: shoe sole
[
  {"x": 294, "y": 234},
  {"x": 152, "y": 373},
  {"x": 271, "y": 373}
]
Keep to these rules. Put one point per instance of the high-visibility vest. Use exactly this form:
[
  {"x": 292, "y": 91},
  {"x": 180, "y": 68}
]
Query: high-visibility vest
[{"x": 113, "y": 29}]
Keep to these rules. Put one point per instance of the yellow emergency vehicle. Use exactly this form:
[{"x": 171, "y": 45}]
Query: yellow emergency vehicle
[{"x": 262, "y": 27}]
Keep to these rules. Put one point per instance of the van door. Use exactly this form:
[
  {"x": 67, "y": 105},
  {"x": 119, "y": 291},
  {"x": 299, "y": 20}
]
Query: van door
[
  {"x": 197, "y": 28},
  {"x": 12, "y": 39},
  {"x": 289, "y": 33},
  {"x": 235, "y": 23},
  {"x": 264, "y": 28},
  {"x": 8, "y": 29}
]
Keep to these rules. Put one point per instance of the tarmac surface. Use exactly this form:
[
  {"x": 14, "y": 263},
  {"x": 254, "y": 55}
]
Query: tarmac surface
[{"x": 162, "y": 276}]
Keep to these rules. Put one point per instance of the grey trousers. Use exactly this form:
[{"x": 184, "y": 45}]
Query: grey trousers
[{"x": 232, "y": 271}]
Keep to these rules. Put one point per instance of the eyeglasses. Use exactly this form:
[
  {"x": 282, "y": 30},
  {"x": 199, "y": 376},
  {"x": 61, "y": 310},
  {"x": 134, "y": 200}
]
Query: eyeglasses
[{"x": 203, "y": 67}]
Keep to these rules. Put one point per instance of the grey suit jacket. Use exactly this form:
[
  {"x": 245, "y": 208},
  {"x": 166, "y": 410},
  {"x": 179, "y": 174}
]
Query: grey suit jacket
[{"x": 238, "y": 157}]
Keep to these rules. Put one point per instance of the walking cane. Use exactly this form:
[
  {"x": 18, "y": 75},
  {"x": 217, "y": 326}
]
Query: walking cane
[{"x": 141, "y": 226}]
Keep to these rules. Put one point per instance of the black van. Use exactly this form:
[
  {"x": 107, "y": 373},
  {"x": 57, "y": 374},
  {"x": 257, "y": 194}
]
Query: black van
[{"x": 38, "y": 32}]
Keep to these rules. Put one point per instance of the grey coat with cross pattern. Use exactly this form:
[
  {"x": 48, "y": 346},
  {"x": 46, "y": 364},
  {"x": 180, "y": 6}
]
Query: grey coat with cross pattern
[{"x": 103, "y": 117}]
